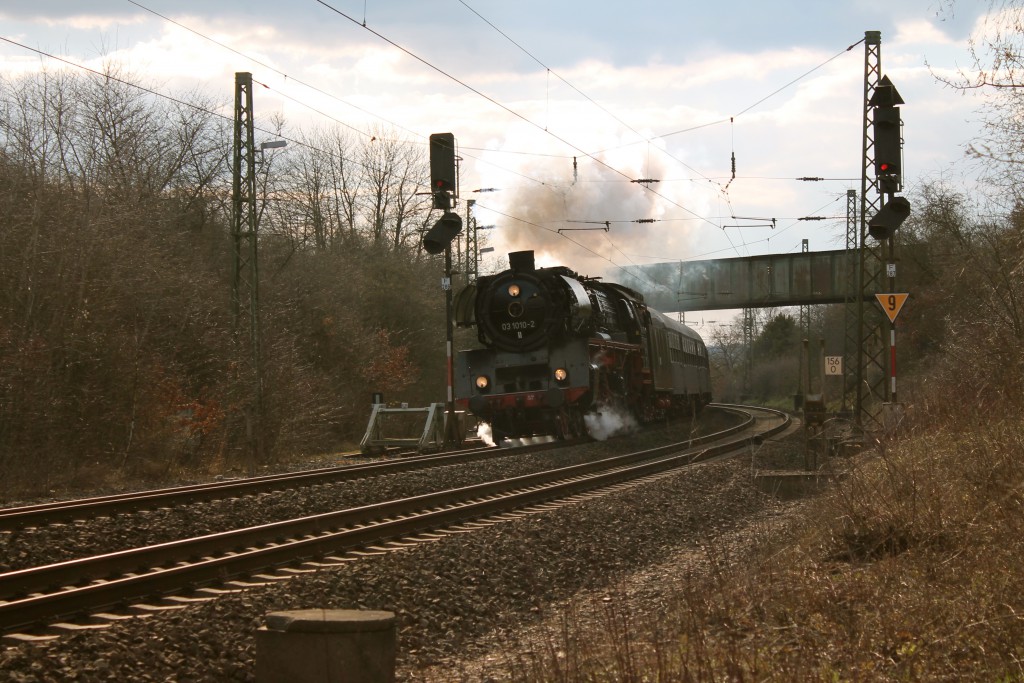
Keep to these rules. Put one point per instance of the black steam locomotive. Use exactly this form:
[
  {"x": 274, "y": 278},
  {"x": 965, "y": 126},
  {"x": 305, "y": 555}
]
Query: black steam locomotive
[{"x": 558, "y": 346}]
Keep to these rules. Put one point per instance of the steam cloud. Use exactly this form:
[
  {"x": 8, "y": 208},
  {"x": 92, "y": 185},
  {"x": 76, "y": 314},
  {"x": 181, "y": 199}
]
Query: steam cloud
[
  {"x": 483, "y": 431},
  {"x": 581, "y": 206},
  {"x": 608, "y": 422}
]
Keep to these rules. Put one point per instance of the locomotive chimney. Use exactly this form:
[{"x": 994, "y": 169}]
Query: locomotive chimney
[{"x": 521, "y": 261}]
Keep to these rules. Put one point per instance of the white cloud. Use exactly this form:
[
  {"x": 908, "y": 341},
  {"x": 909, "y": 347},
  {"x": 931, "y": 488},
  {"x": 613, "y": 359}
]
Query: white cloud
[{"x": 924, "y": 33}]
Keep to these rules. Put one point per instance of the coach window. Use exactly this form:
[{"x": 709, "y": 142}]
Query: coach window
[{"x": 674, "y": 352}]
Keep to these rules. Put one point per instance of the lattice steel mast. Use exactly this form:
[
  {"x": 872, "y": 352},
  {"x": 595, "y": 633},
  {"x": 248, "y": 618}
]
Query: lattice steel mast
[
  {"x": 245, "y": 298},
  {"x": 872, "y": 365},
  {"x": 851, "y": 339}
]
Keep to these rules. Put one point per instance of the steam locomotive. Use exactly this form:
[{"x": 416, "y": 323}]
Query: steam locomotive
[{"x": 558, "y": 346}]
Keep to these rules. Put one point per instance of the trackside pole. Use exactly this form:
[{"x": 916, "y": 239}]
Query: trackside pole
[
  {"x": 452, "y": 436},
  {"x": 892, "y": 304},
  {"x": 892, "y": 359},
  {"x": 451, "y": 394}
]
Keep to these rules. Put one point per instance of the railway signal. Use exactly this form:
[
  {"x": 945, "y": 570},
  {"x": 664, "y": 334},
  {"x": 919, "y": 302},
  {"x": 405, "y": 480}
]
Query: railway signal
[
  {"x": 443, "y": 176},
  {"x": 888, "y": 137},
  {"x": 888, "y": 149},
  {"x": 439, "y": 237},
  {"x": 882, "y": 225},
  {"x": 443, "y": 184}
]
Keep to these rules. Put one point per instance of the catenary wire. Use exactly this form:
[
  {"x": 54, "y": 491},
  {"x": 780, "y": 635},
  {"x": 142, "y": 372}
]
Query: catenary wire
[
  {"x": 497, "y": 103},
  {"x": 314, "y": 88}
]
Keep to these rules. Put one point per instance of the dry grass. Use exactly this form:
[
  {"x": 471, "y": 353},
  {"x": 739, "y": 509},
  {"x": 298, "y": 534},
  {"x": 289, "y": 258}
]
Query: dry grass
[{"x": 911, "y": 568}]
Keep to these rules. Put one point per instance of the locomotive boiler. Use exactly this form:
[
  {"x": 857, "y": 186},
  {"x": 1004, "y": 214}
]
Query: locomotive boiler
[{"x": 556, "y": 347}]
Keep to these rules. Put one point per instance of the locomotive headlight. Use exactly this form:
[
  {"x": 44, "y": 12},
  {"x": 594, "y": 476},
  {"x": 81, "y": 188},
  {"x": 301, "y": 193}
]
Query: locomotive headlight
[
  {"x": 561, "y": 374},
  {"x": 513, "y": 290},
  {"x": 482, "y": 382}
]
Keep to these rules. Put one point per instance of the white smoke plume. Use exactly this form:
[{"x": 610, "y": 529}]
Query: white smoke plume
[
  {"x": 597, "y": 211},
  {"x": 607, "y": 422}
]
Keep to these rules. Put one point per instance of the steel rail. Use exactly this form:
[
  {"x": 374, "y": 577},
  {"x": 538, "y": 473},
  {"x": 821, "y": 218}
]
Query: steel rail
[
  {"x": 84, "y": 508},
  {"x": 155, "y": 570}
]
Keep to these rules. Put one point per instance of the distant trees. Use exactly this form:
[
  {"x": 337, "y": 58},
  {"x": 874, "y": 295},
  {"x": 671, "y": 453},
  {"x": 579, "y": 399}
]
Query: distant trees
[
  {"x": 728, "y": 355},
  {"x": 116, "y": 353},
  {"x": 767, "y": 367},
  {"x": 778, "y": 337},
  {"x": 777, "y": 353}
]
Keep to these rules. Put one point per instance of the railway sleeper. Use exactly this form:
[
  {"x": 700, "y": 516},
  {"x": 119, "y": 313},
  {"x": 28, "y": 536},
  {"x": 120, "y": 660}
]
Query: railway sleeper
[
  {"x": 238, "y": 583},
  {"x": 144, "y": 608},
  {"x": 111, "y": 618},
  {"x": 297, "y": 571},
  {"x": 40, "y": 639},
  {"x": 217, "y": 592},
  {"x": 66, "y": 628},
  {"x": 315, "y": 565}
]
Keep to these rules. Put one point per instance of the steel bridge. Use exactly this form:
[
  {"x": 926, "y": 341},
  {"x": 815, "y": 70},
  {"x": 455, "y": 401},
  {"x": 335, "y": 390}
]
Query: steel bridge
[{"x": 770, "y": 280}]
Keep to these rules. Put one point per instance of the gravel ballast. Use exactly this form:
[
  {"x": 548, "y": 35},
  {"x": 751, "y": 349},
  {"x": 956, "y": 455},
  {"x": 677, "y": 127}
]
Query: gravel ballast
[
  {"x": 455, "y": 598},
  {"x": 61, "y": 542},
  {"x": 37, "y": 546}
]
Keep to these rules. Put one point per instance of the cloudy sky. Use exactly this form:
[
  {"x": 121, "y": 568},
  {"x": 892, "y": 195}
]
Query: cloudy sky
[{"x": 666, "y": 90}]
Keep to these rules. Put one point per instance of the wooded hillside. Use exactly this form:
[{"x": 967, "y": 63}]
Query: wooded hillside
[{"x": 117, "y": 358}]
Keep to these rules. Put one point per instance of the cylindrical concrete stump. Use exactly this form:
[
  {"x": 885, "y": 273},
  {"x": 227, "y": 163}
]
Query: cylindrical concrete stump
[{"x": 326, "y": 646}]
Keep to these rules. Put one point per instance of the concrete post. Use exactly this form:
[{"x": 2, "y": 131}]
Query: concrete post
[{"x": 326, "y": 646}]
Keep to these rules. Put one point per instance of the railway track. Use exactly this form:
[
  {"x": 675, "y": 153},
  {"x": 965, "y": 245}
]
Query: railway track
[
  {"x": 41, "y": 514},
  {"x": 86, "y": 508},
  {"x": 37, "y": 596}
]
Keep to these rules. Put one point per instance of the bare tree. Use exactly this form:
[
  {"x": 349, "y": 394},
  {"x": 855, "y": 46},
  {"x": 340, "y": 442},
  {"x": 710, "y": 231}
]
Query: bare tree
[
  {"x": 324, "y": 184},
  {"x": 347, "y": 180},
  {"x": 395, "y": 172},
  {"x": 997, "y": 53}
]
